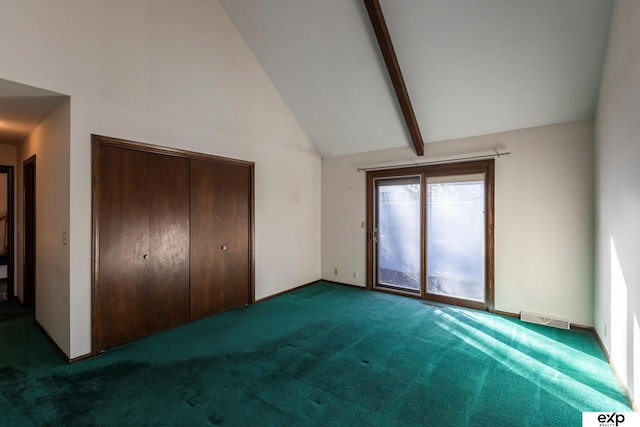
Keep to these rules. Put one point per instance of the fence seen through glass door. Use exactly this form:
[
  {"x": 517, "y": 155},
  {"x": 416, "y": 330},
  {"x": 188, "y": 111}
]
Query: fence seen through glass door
[
  {"x": 456, "y": 236},
  {"x": 398, "y": 233}
]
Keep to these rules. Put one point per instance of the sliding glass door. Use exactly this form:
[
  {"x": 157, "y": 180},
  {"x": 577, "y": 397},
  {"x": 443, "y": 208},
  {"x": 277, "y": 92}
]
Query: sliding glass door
[{"x": 431, "y": 232}]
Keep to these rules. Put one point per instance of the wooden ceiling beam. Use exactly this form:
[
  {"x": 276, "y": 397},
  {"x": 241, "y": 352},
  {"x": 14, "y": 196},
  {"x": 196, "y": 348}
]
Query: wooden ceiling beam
[{"x": 389, "y": 54}]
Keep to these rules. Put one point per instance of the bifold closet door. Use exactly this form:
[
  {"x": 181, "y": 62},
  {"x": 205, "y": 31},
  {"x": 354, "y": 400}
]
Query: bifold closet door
[
  {"x": 168, "y": 258},
  {"x": 220, "y": 246},
  {"x": 143, "y": 273}
]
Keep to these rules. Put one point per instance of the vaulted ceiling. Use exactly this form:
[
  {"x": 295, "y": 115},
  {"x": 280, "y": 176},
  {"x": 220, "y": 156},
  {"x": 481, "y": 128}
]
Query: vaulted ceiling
[{"x": 471, "y": 67}]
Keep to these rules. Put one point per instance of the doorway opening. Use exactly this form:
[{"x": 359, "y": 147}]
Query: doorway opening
[
  {"x": 431, "y": 232},
  {"x": 7, "y": 286}
]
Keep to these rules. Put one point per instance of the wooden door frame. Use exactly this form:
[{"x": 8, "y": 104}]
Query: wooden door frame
[
  {"x": 9, "y": 170},
  {"x": 479, "y": 166},
  {"x": 97, "y": 141},
  {"x": 29, "y": 235}
]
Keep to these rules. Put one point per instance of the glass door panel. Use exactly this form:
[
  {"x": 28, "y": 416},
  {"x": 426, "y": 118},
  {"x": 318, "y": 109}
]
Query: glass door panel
[
  {"x": 398, "y": 233},
  {"x": 456, "y": 236}
]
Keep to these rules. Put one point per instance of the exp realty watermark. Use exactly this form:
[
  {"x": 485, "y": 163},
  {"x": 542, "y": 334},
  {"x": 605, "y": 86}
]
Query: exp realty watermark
[{"x": 611, "y": 419}]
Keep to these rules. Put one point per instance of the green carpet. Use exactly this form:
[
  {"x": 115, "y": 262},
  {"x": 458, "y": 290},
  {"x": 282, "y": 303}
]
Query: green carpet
[{"x": 320, "y": 356}]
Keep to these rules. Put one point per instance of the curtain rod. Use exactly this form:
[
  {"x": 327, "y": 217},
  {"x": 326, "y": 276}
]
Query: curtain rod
[{"x": 434, "y": 162}]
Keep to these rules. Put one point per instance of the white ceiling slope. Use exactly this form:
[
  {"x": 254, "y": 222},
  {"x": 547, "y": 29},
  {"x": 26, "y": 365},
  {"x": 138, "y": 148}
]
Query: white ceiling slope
[{"x": 471, "y": 67}]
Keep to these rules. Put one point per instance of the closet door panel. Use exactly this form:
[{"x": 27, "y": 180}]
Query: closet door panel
[
  {"x": 123, "y": 293},
  {"x": 168, "y": 258},
  {"x": 232, "y": 220},
  {"x": 220, "y": 221}
]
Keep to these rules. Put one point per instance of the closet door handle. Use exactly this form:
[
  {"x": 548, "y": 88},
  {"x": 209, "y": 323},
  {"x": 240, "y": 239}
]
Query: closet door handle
[
  {"x": 145, "y": 256},
  {"x": 224, "y": 247}
]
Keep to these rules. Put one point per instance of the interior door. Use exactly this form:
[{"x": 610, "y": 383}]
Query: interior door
[{"x": 220, "y": 248}]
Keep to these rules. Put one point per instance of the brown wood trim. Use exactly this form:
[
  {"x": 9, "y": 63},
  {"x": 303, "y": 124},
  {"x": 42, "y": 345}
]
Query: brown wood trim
[
  {"x": 370, "y": 246},
  {"x": 442, "y": 169},
  {"x": 252, "y": 237},
  {"x": 348, "y": 285},
  {"x": 175, "y": 152},
  {"x": 95, "y": 244},
  {"x": 458, "y": 302},
  {"x": 489, "y": 270},
  {"x": 307, "y": 285},
  {"x": 53, "y": 343},
  {"x": 79, "y": 358},
  {"x": 506, "y": 313},
  {"x": 287, "y": 291},
  {"x": 582, "y": 327},
  {"x": 392, "y": 291},
  {"x": 601, "y": 343},
  {"x": 395, "y": 73}
]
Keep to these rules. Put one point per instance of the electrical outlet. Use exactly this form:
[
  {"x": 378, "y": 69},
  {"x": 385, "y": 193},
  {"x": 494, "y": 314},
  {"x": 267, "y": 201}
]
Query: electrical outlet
[
  {"x": 605, "y": 329},
  {"x": 355, "y": 274},
  {"x": 363, "y": 225},
  {"x": 335, "y": 271}
]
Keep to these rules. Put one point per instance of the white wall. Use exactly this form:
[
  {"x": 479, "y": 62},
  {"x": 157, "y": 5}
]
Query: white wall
[
  {"x": 617, "y": 308},
  {"x": 49, "y": 142},
  {"x": 8, "y": 154},
  {"x": 543, "y": 215},
  {"x": 173, "y": 73}
]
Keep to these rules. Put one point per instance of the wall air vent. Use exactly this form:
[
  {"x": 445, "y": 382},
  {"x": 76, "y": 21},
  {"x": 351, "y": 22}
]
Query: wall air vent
[{"x": 544, "y": 320}]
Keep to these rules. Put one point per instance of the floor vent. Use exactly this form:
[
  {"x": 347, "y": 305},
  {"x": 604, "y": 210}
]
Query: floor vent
[{"x": 544, "y": 320}]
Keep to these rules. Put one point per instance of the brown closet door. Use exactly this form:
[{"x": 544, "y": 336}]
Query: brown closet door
[
  {"x": 168, "y": 259},
  {"x": 143, "y": 273},
  {"x": 220, "y": 222},
  {"x": 123, "y": 291}
]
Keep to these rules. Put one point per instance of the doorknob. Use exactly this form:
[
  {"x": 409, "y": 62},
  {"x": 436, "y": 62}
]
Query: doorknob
[
  {"x": 145, "y": 256},
  {"x": 224, "y": 247}
]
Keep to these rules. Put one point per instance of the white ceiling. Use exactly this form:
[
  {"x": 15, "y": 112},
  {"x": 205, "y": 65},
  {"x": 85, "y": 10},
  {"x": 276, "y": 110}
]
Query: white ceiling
[
  {"x": 23, "y": 108},
  {"x": 471, "y": 67}
]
